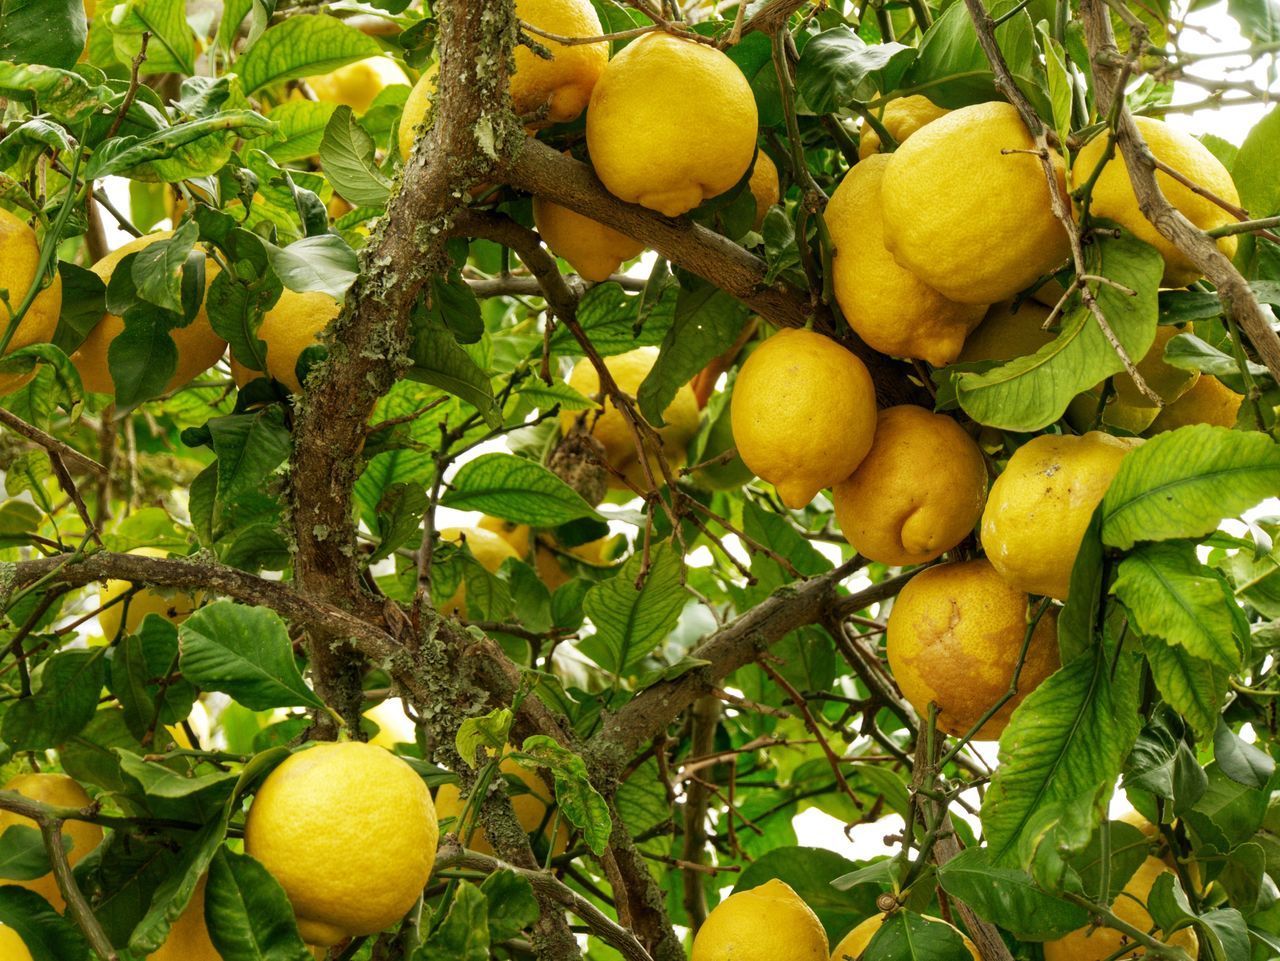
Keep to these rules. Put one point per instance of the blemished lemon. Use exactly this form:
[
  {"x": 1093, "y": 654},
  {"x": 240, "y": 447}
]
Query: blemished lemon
[
  {"x": 290, "y": 327},
  {"x": 592, "y": 249},
  {"x": 198, "y": 346},
  {"x": 764, "y": 186},
  {"x": 19, "y": 260},
  {"x": 1097, "y": 944},
  {"x": 62, "y": 791},
  {"x": 765, "y": 923},
  {"x": 966, "y": 212},
  {"x": 671, "y": 123},
  {"x": 171, "y": 604},
  {"x": 416, "y": 106},
  {"x": 534, "y": 809},
  {"x": 1008, "y": 331},
  {"x": 1040, "y": 505},
  {"x": 953, "y": 639},
  {"x": 803, "y": 414},
  {"x": 490, "y": 549},
  {"x": 1113, "y": 196},
  {"x": 917, "y": 493},
  {"x": 358, "y": 84},
  {"x": 610, "y": 427},
  {"x": 887, "y": 305},
  {"x": 12, "y": 947},
  {"x": 350, "y": 833},
  {"x": 902, "y": 118},
  {"x": 564, "y": 82},
  {"x": 856, "y": 941},
  {"x": 189, "y": 937},
  {"x": 1208, "y": 401}
]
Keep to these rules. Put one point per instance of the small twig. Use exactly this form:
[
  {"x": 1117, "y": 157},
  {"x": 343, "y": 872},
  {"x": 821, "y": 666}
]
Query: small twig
[
  {"x": 69, "y": 454},
  {"x": 134, "y": 84},
  {"x": 77, "y": 906}
]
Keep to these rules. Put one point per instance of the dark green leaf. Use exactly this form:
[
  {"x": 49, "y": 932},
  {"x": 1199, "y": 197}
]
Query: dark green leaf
[
  {"x": 248, "y": 914},
  {"x": 905, "y": 936},
  {"x": 439, "y": 361},
  {"x": 837, "y": 67},
  {"x": 303, "y": 46},
  {"x": 1240, "y": 760},
  {"x": 616, "y": 322},
  {"x": 23, "y": 856},
  {"x": 1191, "y": 685},
  {"x": 515, "y": 489},
  {"x": 1008, "y": 898},
  {"x": 463, "y": 935},
  {"x": 512, "y": 906},
  {"x": 631, "y": 620},
  {"x": 249, "y": 447},
  {"x": 47, "y": 935},
  {"x": 50, "y": 32},
  {"x": 143, "y": 356},
  {"x": 63, "y": 702}
]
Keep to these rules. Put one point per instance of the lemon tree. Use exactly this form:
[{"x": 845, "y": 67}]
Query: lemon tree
[{"x": 626, "y": 479}]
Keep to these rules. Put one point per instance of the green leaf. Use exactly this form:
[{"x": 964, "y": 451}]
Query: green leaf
[
  {"x": 1240, "y": 760},
  {"x": 1008, "y": 898},
  {"x": 143, "y": 356},
  {"x": 455, "y": 306},
  {"x": 810, "y": 873},
  {"x": 837, "y": 67},
  {"x": 23, "y": 856},
  {"x": 512, "y": 906},
  {"x": 488, "y": 734},
  {"x": 906, "y": 936},
  {"x": 1184, "y": 482},
  {"x": 347, "y": 153},
  {"x": 301, "y": 125},
  {"x": 47, "y": 934},
  {"x": 157, "y": 268},
  {"x": 249, "y": 447},
  {"x": 63, "y": 702},
  {"x": 1061, "y": 94},
  {"x": 173, "y": 895},
  {"x": 169, "y": 783},
  {"x": 546, "y": 396},
  {"x": 463, "y": 935},
  {"x": 1076, "y": 623},
  {"x": 630, "y": 621},
  {"x": 140, "y": 662},
  {"x": 143, "y": 158},
  {"x": 439, "y": 361},
  {"x": 303, "y": 46},
  {"x": 248, "y": 914},
  {"x": 1031, "y": 392},
  {"x": 1192, "y": 686},
  {"x": 66, "y": 95},
  {"x": 50, "y": 32},
  {"x": 245, "y": 652},
  {"x": 172, "y": 47},
  {"x": 617, "y": 322},
  {"x": 400, "y": 514},
  {"x": 577, "y": 800},
  {"x": 325, "y": 263},
  {"x": 237, "y": 299},
  {"x": 515, "y": 489},
  {"x": 1259, "y": 22}
]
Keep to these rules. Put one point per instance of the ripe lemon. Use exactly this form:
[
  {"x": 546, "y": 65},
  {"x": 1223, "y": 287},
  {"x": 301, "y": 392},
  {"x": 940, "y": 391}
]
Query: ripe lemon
[
  {"x": 534, "y": 809},
  {"x": 918, "y": 492},
  {"x": 198, "y": 346},
  {"x": 888, "y": 306},
  {"x": 12, "y": 947},
  {"x": 594, "y": 250},
  {"x": 1167, "y": 381},
  {"x": 416, "y": 106},
  {"x": 765, "y": 923},
  {"x": 1097, "y": 944},
  {"x": 357, "y": 84},
  {"x": 19, "y": 260},
  {"x": 567, "y": 79},
  {"x": 1041, "y": 504},
  {"x": 902, "y": 118},
  {"x": 350, "y": 832},
  {"x": 969, "y": 218},
  {"x": 764, "y": 186},
  {"x": 1208, "y": 401},
  {"x": 62, "y": 791},
  {"x": 1114, "y": 199},
  {"x": 189, "y": 937},
  {"x": 551, "y": 565},
  {"x": 856, "y": 941},
  {"x": 671, "y": 123},
  {"x": 290, "y": 327},
  {"x": 954, "y": 636},
  {"x": 1006, "y": 332},
  {"x": 611, "y": 429},
  {"x": 488, "y": 548},
  {"x": 803, "y": 414},
  {"x": 517, "y": 535},
  {"x": 172, "y": 605}
]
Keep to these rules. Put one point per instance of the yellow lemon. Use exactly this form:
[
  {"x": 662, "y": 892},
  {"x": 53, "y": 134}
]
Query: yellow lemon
[
  {"x": 917, "y": 493},
  {"x": 592, "y": 249},
  {"x": 517, "y": 535},
  {"x": 189, "y": 937},
  {"x": 672, "y": 122},
  {"x": 1167, "y": 381},
  {"x": 1097, "y": 944},
  {"x": 12, "y": 947},
  {"x": 62, "y": 791},
  {"x": 198, "y": 346},
  {"x": 565, "y": 81},
  {"x": 1207, "y": 401},
  {"x": 886, "y": 305},
  {"x": 350, "y": 833},
  {"x": 1041, "y": 504},
  {"x": 535, "y": 809},
  {"x": 954, "y": 636},
  {"x": 488, "y": 548},
  {"x": 1006, "y": 332},
  {"x": 856, "y": 941},
  {"x": 967, "y": 216},
  {"x": 19, "y": 260},
  {"x": 764, "y": 186},
  {"x": 803, "y": 414},
  {"x": 357, "y": 84},
  {"x": 172, "y": 605},
  {"x": 1113, "y": 196},
  {"x": 610, "y": 427},
  {"x": 90, "y": 8},
  {"x": 416, "y": 106},
  {"x": 394, "y": 726},
  {"x": 902, "y": 118},
  {"x": 765, "y": 923},
  {"x": 290, "y": 327},
  {"x": 550, "y": 565}
]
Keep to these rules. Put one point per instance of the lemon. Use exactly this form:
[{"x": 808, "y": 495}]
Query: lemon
[
  {"x": 394, "y": 726},
  {"x": 350, "y": 833},
  {"x": 954, "y": 636},
  {"x": 551, "y": 565},
  {"x": 1007, "y": 332},
  {"x": 19, "y": 261},
  {"x": 61, "y": 791},
  {"x": 290, "y": 327},
  {"x": 764, "y": 186},
  {"x": 12, "y": 947},
  {"x": 1207, "y": 401},
  {"x": 592, "y": 249},
  {"x": 488, "y": 548},
  {"x": 1113, "y": 196},
  {"x": 564, "y": 82},
  {"x": 886, "y": 305},
  {"x": 198, "y": 346},
  {"x": 357, "y": 84},
  {"x": 534, "y": 809},
  {"x": 902, "y": 118},
  {"x": 765, "y": 923},
  {"x": 671, "y": 123},
  {"x": 189, "y": 937},
  {"x": 803, "y": 414},
  {"x": 918, "y": 492},
  {"x": 416, "y": 106},
  {"x": 1097, "y": 944},
  {"x": 610, "y": 427},
  {"x": 519, "y": 536},
  {"x": 856, "y": 941},
  {"x": 969, "y": 218},
  {"x": 90, "y": 8},
  {"x": 1041, "y": 504},
  {"x": 172, "y": 605},
  {"x": 1168, "y": 382}
]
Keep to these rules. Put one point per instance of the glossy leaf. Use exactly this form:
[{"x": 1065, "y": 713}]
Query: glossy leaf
[{"x": 515, "y": 489}]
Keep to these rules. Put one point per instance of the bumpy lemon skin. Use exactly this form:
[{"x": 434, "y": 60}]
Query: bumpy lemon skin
[
  {"x": 856, "y": 941},
  {"x": 765, "y": 923},
  {"x": 62, "y": 791},
  {"x": 764, "y": 185},
  {"x": 358, "y": 84},
  {"x": 592, "y": 249},
  {"x": 1007, "y": 332},
  {"x": 1040, "y": 505},
  {"x": 671, "y": 123},
  {"x": 350, "y": 833},
  {"x": 12, "y": 947},
  {"x": 1208, "y": 401},
  {"x": 531, "y": 809},
  {"x": 954, "y": 635},
  {"x": 902, "y": 118},
  {"x": 918, "y": 492},
  {"x": 803, "y": 414},
  {"x": 19, "y": 260},
  {"x": 566, "y": 80},
  {"x": 189, "y": 937},
  {"x": 290, "y": 327},
  {"x": 416, "y": 106},
  {"x": 173, "y": 605},
  {"x": 970, "y": 219},
  {"x": 490, "y": 549},
  {"x": 1114, "y": 199},
  {"x": 886, "y": 305}
]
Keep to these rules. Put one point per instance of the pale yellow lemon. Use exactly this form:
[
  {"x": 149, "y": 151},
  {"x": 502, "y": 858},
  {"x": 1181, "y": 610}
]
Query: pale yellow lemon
[
  {"x": 1208, "y": 401},
  {"x": 902, "y": 118},
  {"x": 519, "y": 536},
  {"x": 764, "y": 186},
  {"x": 12, "y": 947},
  {"x": 357, "y": 84},
  {"x": 592, "y": 249},
  {"x": 290, "y": 327},
  {"x": 189, "y": 937},
  {"x": 1168, "y": 382},
  {"x": 534, "y": 808},
  {"x": 416, "y": 107},
  {"x": 19, "y": 261},
  {"x": 490, "y": 549},
  {"x": 60, "y": 791},
  {"x": 765, "y": 923},
  {"x": 171, "y": 604},
  {"x": 1008, "y": 331},
  {"x": 856, "y": 941}
]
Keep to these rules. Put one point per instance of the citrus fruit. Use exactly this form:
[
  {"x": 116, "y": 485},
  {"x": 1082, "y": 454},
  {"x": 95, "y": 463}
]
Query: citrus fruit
[
  {"x": 886, "y": 305},
  {"x": 1007, "y": 332},
  {"x": 564, "y": 82},
  {"x": 534, "y": 808},
  {"x": 357, "y": 84},
  {"x": 1167, "y": 381},
  {"x": 290, "y": 327},
  {"x": 488, "y": 548},
  {"x": 1040, "y": 505},
  {"x": 416, "y": 106},
  {"x": 966, "y": 211},
  {"x": 171, "y": 604},
  {"x": 764, "y": 923},
  {"x": 671, "y": 123},
  {"x": 12, "y": 947},
  {"x": 1207, "y": 401},
  {"x": 592, "y": 249},
  {"x": 61, "y": 791},
  {"x": 902, "y": 118},
  {"x": 1113, "y": 197},
  {"x": 917, "y": 493},
  {"x": 189, "y": 937},
  {"x": 19, "y": 261},
  {"x": 350, "y": 833},
  {"x": 803, "y": 413},
  {"x": 764, "y": 186},
  {"x": 517, "y": 535},
  {"x": 856, "y": 941},
  {"x": 555, "y": 570},
  {"x": 953, "y": 639}
]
